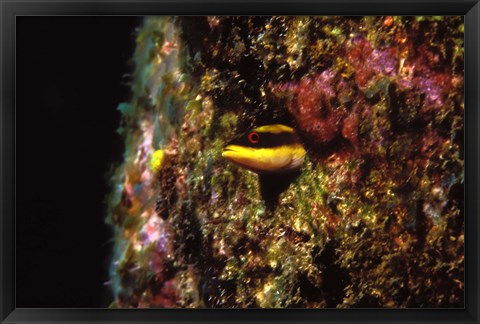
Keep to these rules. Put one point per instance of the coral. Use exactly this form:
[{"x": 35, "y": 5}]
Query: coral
[{"x": 375, "y": 217}]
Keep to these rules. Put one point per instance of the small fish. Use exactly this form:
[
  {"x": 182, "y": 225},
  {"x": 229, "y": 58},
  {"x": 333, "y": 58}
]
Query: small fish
[{"x": 267, "y": 149}]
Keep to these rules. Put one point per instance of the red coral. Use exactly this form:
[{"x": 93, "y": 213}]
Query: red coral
[
  {"x": 315, "y": 101},
  {"x": 369, "y": 62},
  {"x": 358, "y": 55},
  {"x": 421, "y": 74},
  {"x": 350, "y": 128},
  {"x": 311, "y": 106}
]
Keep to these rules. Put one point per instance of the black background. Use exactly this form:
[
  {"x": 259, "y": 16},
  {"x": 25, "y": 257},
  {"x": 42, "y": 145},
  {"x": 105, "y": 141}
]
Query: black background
[{"x": 68, "y": 84}]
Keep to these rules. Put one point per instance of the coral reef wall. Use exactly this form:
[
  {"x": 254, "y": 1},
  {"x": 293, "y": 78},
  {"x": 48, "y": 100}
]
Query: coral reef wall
[{"x": 375, "y": 217}]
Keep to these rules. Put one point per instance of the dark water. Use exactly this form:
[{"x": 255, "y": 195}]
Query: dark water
[{"x": 69, "y": 72}]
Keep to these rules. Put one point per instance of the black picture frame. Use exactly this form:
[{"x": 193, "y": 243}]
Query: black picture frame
[{"x": 10, "y": 9}]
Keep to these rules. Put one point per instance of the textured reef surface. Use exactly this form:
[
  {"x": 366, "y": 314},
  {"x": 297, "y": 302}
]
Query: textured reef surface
[{"x": 375, "y": 215}]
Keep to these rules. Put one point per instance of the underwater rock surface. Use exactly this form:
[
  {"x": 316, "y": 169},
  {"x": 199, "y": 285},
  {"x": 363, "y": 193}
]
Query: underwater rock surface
[{"x": 375, "y": 216}]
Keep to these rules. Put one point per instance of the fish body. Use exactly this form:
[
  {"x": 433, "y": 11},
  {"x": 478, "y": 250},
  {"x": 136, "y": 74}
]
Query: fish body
[{"x": 267, "y": 149}]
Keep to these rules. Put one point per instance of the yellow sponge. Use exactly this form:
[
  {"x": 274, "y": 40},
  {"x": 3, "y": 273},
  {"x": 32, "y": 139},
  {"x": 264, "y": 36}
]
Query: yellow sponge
[{"x": 157, "y": 160}]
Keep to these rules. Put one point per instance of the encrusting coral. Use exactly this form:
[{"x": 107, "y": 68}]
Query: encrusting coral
[{"x": 375, "y": 216}]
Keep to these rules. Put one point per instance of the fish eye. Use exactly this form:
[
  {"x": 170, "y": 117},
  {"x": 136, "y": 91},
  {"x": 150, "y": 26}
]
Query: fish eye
[{"x": 253, "y": 137}]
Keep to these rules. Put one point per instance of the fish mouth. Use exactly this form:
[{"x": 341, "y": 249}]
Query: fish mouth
[
  {"x": 229, "y": 152},
  {"x": 241, "y": 156},
  {"x": 236, "y": 153}
]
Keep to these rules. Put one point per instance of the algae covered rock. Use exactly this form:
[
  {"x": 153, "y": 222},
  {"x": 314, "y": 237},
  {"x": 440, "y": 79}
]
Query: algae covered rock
[{"x": 373, "y": 218}]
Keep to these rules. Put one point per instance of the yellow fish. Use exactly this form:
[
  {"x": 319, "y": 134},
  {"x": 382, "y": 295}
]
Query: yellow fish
[{"x": 267, "y": 149}]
